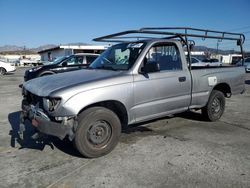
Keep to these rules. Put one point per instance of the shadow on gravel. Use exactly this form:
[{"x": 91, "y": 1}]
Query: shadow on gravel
[
  {"x": 136, "y": 128},
  {"x": 65, "y": 145},
  {"x": 192, "y": 115},
  {"x": 140, "y": 127},
  {"x": 38, "y": 143},
  {"x": 9, "y": 73},
  {"x": 247, "y": 82}
]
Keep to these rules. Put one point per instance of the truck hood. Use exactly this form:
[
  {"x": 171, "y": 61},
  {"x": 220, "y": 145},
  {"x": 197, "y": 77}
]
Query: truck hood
[{"x": 44, "y": 86}]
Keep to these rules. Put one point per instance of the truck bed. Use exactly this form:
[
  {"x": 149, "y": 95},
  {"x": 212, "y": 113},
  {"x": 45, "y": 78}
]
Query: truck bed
[{"x": 232, "y": 76}]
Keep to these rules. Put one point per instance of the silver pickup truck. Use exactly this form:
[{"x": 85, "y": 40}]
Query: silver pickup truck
[{"x": 131, "y": 82}]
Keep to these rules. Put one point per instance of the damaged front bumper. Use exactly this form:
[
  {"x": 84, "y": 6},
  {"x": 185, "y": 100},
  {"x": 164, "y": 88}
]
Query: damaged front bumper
[{"x": 44, "y": 124}]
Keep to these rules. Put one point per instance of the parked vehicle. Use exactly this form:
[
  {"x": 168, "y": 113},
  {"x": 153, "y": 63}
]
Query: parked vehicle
[
  {"x": 212, "y": 62},
  {"x": 29, "y": 62},
  {"x": 6, "y": 67},
  {"x": 91, "y": 106},
  {"x": 195, "y": 62},
  {"x": 60, "y": 65},
  {"x": 246, "y": 64}
]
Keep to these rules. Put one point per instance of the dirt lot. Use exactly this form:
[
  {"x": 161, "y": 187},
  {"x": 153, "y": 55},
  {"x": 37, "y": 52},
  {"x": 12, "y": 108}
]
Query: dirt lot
[{"x": 182, "y": 151}]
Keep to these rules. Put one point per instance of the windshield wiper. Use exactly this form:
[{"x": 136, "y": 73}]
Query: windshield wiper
[
  {"x": 106, "y": 68},
  {"x": 88, "y": 67},
  {"x": 107, "y": 60}
]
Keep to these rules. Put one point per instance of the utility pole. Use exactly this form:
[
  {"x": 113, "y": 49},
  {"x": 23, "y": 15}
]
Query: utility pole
[{"x": 217, "y": 48}]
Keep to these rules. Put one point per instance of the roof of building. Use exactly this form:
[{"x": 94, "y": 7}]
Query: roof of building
[{"x": 75, "y": 47}]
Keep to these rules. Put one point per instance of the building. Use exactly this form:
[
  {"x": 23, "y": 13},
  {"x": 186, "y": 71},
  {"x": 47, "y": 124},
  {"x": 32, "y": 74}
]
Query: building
[
  {"x": 230, "y": 58},
  {"x": 65, "y": 50},
  {"x": 198, "y": 54},
  {"x": 14, "y": 56}
]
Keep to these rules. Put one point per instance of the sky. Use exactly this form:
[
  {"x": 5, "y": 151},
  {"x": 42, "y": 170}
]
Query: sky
[{"x": 32, "y": 23}]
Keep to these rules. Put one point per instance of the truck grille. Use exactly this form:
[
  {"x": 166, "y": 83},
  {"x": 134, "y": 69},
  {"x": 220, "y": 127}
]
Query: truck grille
[{"x": 34, "y": 99}]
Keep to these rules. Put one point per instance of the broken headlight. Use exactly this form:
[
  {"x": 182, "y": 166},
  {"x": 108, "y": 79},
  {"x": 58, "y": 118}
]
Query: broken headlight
[
  {"x": 51, "y": 104},
  {"x": 24, "y": 92}
]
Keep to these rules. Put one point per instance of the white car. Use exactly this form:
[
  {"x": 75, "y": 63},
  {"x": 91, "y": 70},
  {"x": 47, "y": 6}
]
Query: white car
[
  {"x": 195, "y": 62},
  {"x": 246, "y": 64},
  {"x": 6, "y": 67},
  {"x": 212, "y": 62}
]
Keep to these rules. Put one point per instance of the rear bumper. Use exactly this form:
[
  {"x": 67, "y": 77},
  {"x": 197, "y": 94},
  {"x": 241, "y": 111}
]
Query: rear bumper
[{"x": 43, "y": 123}]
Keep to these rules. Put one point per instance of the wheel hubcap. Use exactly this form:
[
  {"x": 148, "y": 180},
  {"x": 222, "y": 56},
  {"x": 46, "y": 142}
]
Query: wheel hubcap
[
  {"x": 216, "y": 106},
  {"x": 99, "y": 133}
]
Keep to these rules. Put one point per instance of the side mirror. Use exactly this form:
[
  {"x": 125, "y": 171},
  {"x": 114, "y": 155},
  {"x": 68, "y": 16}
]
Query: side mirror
[
  {"x": 150, "y": 67},
  {"x": 191, "y": 47},
  {"x": 64, "y": 63}
]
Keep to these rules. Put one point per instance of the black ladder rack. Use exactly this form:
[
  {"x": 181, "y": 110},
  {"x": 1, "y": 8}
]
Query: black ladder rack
[
  {"x": 172, "y": 32},
  {"x": 181, "y": 33}
]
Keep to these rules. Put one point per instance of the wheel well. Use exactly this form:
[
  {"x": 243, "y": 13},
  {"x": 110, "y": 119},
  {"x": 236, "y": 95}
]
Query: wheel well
[
  {"x": 117, "y": 107},
  {"x": 224, "y": 88},
  {"x": 4, "y": 69}
]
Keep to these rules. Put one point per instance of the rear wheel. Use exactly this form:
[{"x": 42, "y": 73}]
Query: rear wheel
[
  {"x": 215, "y": 106},
  {"x": 98, "y": 132},
  {"x": 2, "y": 71}
]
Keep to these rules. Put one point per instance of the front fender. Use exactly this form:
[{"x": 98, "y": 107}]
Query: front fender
[{"x": 122, "y": 93}]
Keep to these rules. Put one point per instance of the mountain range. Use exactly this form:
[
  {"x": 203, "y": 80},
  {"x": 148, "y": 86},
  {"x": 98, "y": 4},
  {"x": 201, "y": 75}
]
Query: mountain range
[
  {"x": 213, "y": 50},
  {"x": 15, "y": 48},
  {"x": 23, "y": 49}
]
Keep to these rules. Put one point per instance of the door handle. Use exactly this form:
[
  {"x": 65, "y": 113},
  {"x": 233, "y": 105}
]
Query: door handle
[{"x": 182, "y": 79}]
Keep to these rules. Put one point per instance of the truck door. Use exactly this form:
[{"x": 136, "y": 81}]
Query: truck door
[{"x": 167, "y": 91}]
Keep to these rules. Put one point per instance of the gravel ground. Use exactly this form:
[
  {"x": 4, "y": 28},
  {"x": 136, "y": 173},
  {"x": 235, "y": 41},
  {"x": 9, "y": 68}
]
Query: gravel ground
[{"x": 181, "y": 151}]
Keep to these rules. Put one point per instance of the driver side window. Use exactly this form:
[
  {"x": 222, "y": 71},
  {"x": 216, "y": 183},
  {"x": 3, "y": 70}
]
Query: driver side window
[
  {"x": 76, "y": 60},
  {"x": 166, "y": 55},
  {"x": 70, "y": 61}
]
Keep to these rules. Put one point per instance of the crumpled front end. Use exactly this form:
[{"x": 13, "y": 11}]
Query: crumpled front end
[{"x": 33, "y": 110}]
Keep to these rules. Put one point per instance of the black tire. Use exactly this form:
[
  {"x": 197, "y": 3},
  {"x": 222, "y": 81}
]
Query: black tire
[
  {"x": 2, "y": 71},
  {"x": 98, "y": 132},
  {"x": 215, "y": 106}
]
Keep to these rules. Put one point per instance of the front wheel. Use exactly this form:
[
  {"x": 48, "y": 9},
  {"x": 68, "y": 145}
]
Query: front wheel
[
  {"x": 215, "y": 106},
  {"x": 98, "y": 132}
]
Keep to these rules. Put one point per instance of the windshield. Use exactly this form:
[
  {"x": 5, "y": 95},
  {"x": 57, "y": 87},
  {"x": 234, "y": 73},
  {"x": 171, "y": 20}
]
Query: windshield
[
  {"x": 119, "y": 57},
  {"x": 57, "y": 60}
]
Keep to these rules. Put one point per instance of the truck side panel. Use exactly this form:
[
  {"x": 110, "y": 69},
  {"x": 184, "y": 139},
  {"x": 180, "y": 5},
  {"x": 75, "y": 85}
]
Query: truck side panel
[{"x": 204, "y": 80}]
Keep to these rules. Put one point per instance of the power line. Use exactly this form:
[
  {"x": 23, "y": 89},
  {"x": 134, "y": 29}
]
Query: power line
[
  {"x": 246, "y": 32},
  {"x": 233, "y": 42},
  {"x": 240, "y": 28},
  {"x": 221, "y": 43}
]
